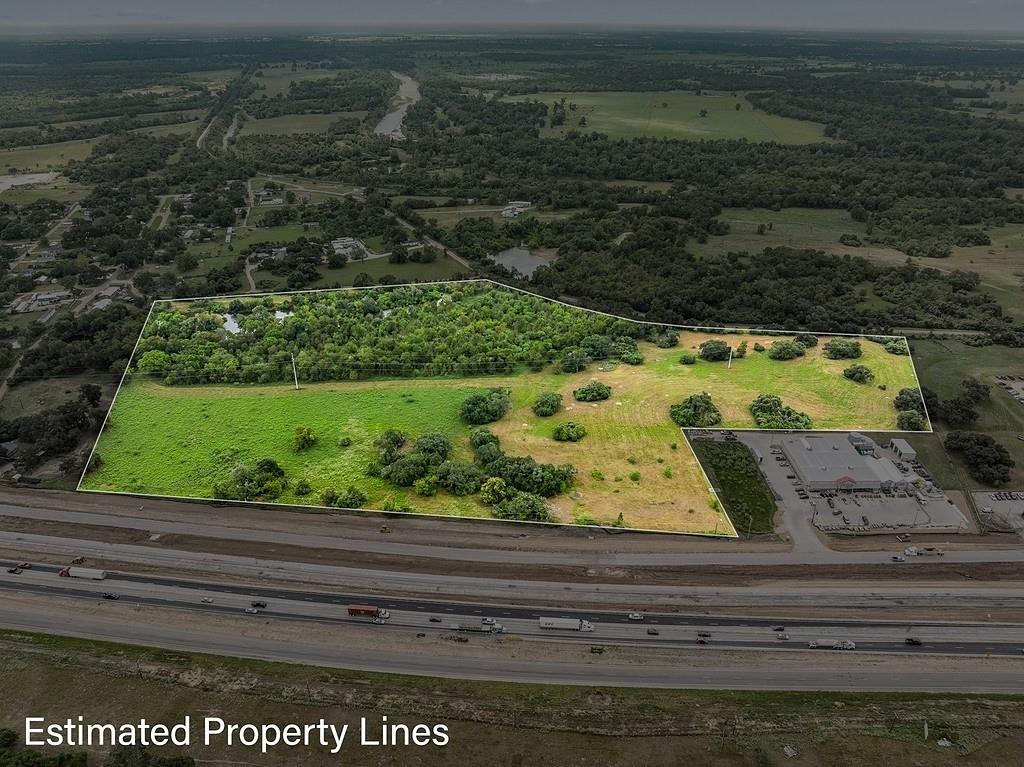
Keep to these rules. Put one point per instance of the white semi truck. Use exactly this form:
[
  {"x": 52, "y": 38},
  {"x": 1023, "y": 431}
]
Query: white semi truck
[
  {"x": 83, "y": 572},
  {"x": 566, "y": 624}
]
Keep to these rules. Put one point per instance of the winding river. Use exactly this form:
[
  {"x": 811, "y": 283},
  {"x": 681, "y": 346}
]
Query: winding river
[{"x": 408, "y": 94}]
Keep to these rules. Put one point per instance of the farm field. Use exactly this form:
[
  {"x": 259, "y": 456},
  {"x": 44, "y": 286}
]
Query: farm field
[
  {"x": 276, "y": 79},
  {"x": 999, "y": 265},
  {"x": 633, "y": 460},
  {"x": 791, "y": 227},
  {"x": 287, "y": 124},
  {"x": 676, "y": 114},
  {"x": 46, "y": 155}
]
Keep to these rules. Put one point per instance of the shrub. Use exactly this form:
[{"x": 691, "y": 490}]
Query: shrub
[
  {"x": 785, "y": 350},
  {"x": 434, "y": 443},
  {"x": 495, "y": 490},
  {"x": 633, "y": 357},
  {"x": 459, "y": 477},
  {"x": 547, "y": 404},
  {"x": 488, "y": 454},
  {"x": 696, "y": 411},
  {"x": 758, "y": 346},
  {"x": 740, "y": 351},
  {"x": 596, "y": 347},
  {"x": 407, "y": 469},
  {"x": 302, "y": 487},
  {"x": 667, "y": 340},
  {"x": 485, "y": 407},
  {"x": 480, "y": 436},
  {"x": 842, "y": 349},
  {"x": 714, "y": 350},
  {"x": 635, "y": 476},
  {"x": 345, "y": 442},
  {"x": 597, "y": 474},
  {"x": 592, "y": 392},
  {"x": 570, "y": 431},
  {"x": 352, "y": 498},
  {"x": 263, "y": 480},
  {"x": 426, "y": 486},
  {"x": 770, "y": 413},
  {"x": 909, "y": 399},
  {"x": 329, "y": 497},
  {"x": 304, "y": 438},
  {"x": 859, "y": 373},
  {"x": 575, "y": 361},
  {"x": 910, "y": 420},
  {"x": 667, "y": 472},
  {"x": 897, "y": 346},
  {"x": 806, "y": 340},
  {"x": 523, "y": 506},
  {"x": 688, "y": 359},
  {"x": 389, "y": 444}
]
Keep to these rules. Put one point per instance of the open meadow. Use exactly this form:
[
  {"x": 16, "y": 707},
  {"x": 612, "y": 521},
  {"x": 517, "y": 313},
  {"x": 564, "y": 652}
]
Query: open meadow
[{"x": 676, "y": 114}]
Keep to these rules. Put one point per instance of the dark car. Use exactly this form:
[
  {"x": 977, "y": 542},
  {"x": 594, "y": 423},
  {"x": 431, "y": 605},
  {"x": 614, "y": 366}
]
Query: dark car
[
  {"x": 258, "y": 604},
  {"x": 653, "y": 632},
  {"x": 108, "y": 595},
  {"x": 14, "y": 570},
  {"x": 778, "y": 628},
  {"x": 435, "y": 619},
  {"x": 912, "y": 641},
  {"x": 704, "y": 634}
]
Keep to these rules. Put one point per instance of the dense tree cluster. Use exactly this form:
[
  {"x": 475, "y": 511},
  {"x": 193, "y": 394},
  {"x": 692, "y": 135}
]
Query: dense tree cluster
[
  {"x": 696, "y": 411},
  {"x": 592, "y": 392},
  {"x": 842, "y": 349},
  {"x": 859, "y": 374},
  {"x": 987, "y": 461},
  {"x": 770, "y": 413},
  {"x": 547, "y": 404},
  {"x": 354, "y": 335},
  {"x": 569, "y": 431}
]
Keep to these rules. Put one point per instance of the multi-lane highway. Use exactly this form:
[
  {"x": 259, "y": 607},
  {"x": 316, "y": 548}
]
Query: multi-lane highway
[{"x": 957, "y": 638}]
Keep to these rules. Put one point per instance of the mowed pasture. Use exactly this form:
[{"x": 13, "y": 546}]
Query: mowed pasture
[
  {"x": 675, "y": 114},
  {"x": 181, "y": 440}
]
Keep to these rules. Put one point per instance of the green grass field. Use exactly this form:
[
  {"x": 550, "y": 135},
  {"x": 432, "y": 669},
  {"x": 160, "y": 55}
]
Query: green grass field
[
  {"x": 622, "y": 114},
  {"x": 288, "y": 124},
  {"x": 46, "y": 156},
  {"x": 441, "y": 269},
  {"x": 181, "y": 440}
]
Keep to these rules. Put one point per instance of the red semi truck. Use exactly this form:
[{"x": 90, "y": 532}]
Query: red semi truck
[{"x": 379, "y": 614}]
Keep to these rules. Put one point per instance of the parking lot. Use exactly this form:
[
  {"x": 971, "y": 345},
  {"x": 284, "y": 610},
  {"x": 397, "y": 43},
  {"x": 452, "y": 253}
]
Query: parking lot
[
  {"x": 838, "y": 511},
  {"x": 1002, "y": 510}
]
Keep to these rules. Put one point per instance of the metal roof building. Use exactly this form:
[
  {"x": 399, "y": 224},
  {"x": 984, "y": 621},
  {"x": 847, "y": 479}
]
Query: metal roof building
[{"x": 834, "y": 462}]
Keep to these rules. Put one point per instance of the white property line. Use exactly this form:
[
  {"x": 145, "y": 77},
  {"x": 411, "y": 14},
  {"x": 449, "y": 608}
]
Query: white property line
[{"x": 699, "y": 328}]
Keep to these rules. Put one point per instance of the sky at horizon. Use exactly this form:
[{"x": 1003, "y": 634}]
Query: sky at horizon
[{"x": 1004, "y": 16}]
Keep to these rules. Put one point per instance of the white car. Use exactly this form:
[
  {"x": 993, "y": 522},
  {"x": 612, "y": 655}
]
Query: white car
[
  {"x": 206, "y": 601},
  {"x": 812, "y": 645},
  {"x": 487, "y": 621},
  {"x": 782, "y": 637},
  {"x": 252, "y": 611},
  {"x": 898, "y": 558},
  {"x": 636, "y": 616}
]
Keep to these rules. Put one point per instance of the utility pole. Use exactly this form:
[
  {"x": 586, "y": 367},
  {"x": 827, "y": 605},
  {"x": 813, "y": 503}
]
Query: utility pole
[
  {"x": 729, "y": 366},
  {"x": 295, "y": 372}
]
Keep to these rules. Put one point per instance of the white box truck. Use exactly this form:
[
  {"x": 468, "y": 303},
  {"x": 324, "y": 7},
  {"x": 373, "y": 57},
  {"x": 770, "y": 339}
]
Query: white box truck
[{"x": 566, "y": 624}]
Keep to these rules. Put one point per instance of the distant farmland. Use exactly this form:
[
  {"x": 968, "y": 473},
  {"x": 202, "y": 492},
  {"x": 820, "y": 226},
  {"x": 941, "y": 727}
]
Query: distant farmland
[{"x": 675, "y": 114}]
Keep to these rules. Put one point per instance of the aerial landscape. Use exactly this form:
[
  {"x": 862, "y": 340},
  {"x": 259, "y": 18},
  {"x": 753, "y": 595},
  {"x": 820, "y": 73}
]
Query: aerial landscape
[{"x": 481, "y": 385}]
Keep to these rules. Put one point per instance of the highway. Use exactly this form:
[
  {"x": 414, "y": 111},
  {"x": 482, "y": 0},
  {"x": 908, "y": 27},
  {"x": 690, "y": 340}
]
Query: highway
[
  {"x": 853, "y": 594},
  {"x": 941, "y": 637},
  {"x": 213, "y": 529},
  {"x": 759, "y": 673}
]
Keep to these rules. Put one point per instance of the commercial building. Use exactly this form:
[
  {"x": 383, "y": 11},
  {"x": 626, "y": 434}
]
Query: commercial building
[{"x": 823, "y": 462}]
